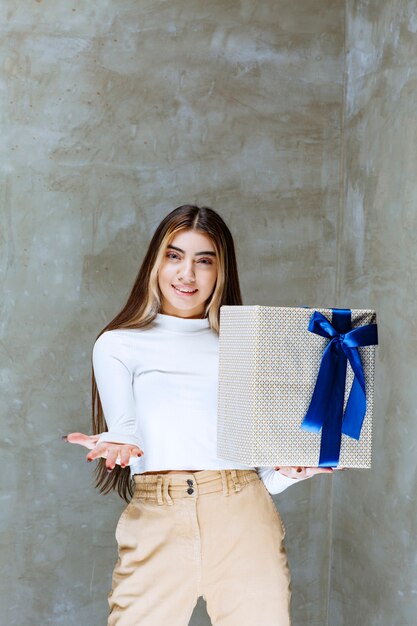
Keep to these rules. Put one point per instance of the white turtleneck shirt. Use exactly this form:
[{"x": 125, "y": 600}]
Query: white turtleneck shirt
[{"x": 158, "y": 390}]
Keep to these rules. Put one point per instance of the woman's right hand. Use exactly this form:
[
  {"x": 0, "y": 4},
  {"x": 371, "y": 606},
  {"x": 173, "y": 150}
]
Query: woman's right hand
[
  {"x": 114, "y": 453},
  {"x": 305, "y": 472}
]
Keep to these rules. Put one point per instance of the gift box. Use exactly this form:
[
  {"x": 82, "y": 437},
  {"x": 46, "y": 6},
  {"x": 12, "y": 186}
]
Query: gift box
[{"x": 296, "y": 386}]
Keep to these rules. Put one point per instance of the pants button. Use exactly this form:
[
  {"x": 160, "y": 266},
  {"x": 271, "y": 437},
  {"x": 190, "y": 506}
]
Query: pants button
[{"x": 190, "y": 490}]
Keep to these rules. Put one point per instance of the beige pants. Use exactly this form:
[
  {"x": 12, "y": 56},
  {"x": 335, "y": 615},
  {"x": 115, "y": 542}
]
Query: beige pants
[{"x": 213, "y": 533}]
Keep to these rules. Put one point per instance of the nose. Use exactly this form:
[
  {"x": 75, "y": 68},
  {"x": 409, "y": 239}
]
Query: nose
[{"x": 187, "y": 271}]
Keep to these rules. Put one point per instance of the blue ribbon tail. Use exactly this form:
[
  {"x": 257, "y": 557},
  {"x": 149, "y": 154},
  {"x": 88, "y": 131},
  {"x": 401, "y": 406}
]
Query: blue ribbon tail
[
  {"x": 356, "y": 405},
  {"x": 332, "y": 427},
  {"x": 355, "y": 411},
  {"x": 314, "y": 418}
]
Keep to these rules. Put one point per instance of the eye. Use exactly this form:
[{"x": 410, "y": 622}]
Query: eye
[
  {"x": 206, "y": 261},
  {"x": 170, "y": 255}
]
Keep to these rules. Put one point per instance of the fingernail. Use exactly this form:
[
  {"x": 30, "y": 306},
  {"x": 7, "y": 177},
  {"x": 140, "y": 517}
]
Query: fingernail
[
  {"x": 64, "y": 437},
  {"x": 89, "y": 460}
]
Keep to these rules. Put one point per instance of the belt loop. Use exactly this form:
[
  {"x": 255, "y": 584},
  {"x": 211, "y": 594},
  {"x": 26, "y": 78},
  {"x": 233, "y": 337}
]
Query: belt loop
[
  {"x": 159, "y": 479},
  {"x": 224, "y": 482},
  {"x": 168, "y": 498},
  {"x": 235, "y": 479}
]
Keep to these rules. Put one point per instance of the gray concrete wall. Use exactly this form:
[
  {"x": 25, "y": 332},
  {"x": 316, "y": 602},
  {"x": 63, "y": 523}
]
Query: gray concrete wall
[
  {"x": 374, "y": 574},
  {"x": 113, "y": 114}
]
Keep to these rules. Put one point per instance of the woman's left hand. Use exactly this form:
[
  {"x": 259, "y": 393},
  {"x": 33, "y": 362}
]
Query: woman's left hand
[
  {"x": 114, "y": 453},
  {"x": 304, "y": 472},
  {"x": 88, "y": 441}
]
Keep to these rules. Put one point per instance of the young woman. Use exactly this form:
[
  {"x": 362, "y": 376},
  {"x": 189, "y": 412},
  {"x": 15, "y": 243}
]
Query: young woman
[{"x": 196, "y": 524}]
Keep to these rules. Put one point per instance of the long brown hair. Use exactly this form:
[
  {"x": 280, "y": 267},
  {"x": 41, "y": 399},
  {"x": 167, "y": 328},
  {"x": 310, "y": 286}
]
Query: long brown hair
[{"x": 144, "y": 302}]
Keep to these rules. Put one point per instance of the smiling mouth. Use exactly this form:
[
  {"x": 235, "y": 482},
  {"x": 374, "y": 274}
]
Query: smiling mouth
[{"x": 184, "y": 293}]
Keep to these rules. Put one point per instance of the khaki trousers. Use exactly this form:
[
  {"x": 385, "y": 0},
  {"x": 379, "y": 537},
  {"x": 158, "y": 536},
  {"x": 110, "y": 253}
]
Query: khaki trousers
[{"x": 213, "y": 533}]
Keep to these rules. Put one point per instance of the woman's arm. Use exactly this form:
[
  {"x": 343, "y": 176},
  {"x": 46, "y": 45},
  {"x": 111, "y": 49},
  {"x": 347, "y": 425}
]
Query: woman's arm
[
  {"x": 114, "y": 379},
  {"x": 120, "y": 444}
]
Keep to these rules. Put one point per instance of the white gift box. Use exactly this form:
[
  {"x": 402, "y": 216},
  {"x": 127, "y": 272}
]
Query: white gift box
[{"x": 268, "y": 367}]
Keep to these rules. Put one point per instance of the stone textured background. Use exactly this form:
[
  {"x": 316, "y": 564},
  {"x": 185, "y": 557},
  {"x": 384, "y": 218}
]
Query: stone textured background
[
  {"x": 296, "y": 121},
  {"x": 374, "y": 556}
]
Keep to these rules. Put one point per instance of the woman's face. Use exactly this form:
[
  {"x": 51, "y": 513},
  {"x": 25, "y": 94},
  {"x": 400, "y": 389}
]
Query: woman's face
[{"x": 189, "y": 264}]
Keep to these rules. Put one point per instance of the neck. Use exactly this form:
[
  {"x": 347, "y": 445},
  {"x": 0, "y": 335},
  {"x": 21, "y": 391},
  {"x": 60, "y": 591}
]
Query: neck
[{"x": 181, "y": 324}]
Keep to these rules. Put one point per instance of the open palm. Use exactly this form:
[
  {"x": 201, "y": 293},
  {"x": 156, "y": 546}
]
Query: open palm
[{"x": 114, "y": 453}]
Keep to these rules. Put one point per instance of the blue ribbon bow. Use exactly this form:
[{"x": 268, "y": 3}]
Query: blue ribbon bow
[{"x": 326, "y": 408}]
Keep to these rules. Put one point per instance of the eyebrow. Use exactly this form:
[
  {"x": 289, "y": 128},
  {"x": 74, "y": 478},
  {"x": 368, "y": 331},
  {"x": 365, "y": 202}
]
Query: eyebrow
[{"x": 210, "y": 252}]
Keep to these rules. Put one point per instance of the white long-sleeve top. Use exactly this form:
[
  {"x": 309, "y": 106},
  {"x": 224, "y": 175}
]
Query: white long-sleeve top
[{"x": 158, "y": 390}]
